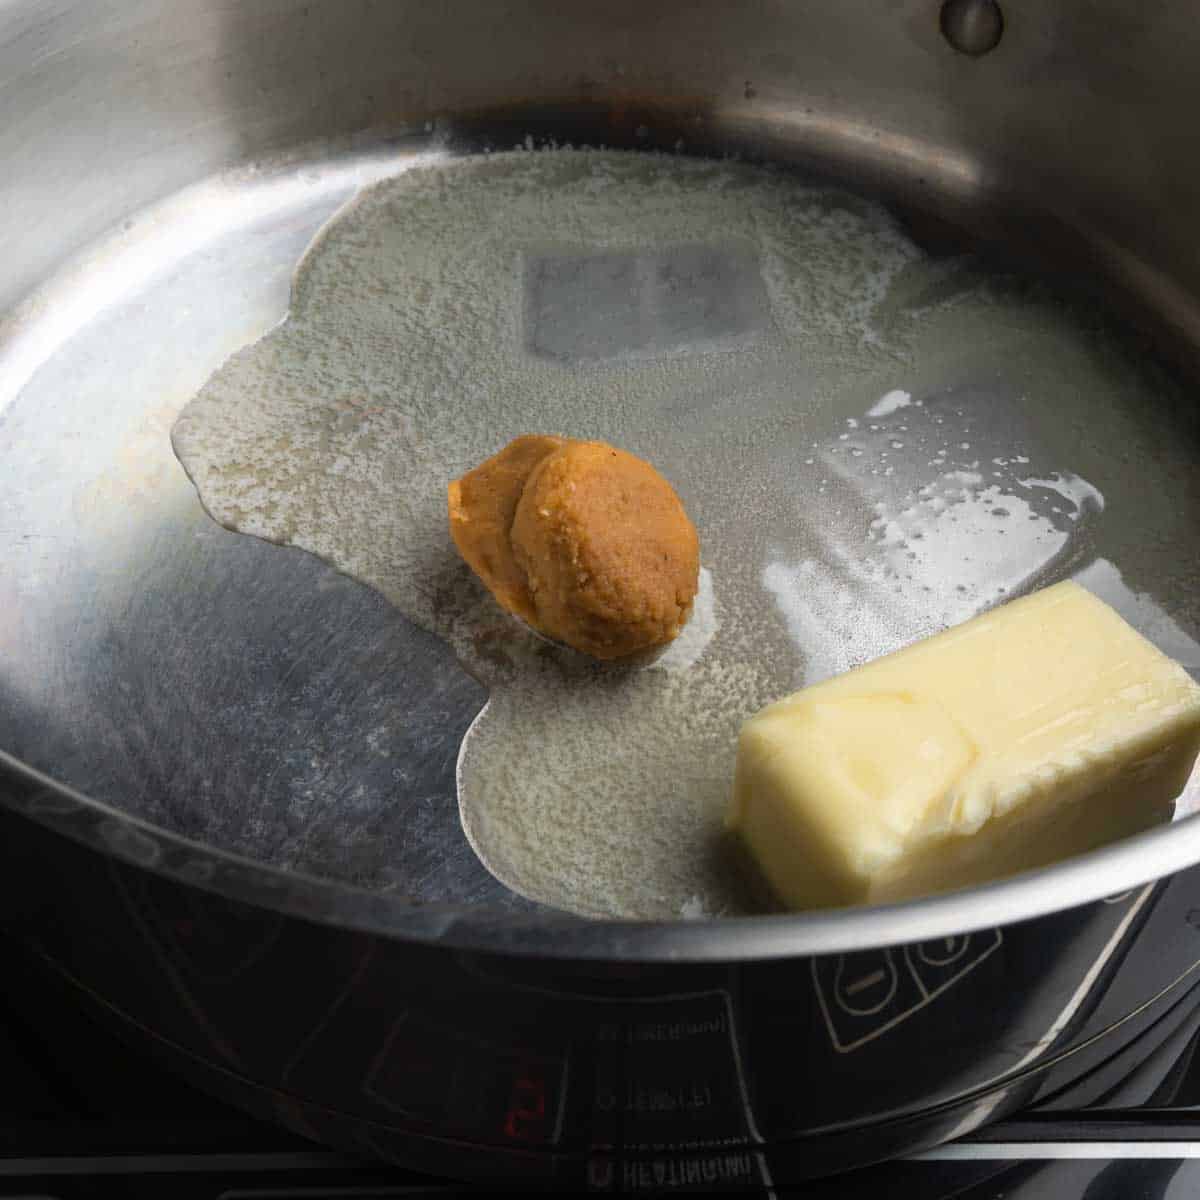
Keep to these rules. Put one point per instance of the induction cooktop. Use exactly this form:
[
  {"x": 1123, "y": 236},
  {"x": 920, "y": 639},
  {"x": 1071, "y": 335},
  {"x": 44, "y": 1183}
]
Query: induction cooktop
[{"x": 82, "y": 1115}]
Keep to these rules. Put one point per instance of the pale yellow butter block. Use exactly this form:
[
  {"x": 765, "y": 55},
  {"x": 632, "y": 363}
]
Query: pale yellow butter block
[{"x": 1038, "y": 730}]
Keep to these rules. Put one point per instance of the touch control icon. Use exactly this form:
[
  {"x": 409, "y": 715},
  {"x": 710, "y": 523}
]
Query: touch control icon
[
  {"x": 943, "y": 951},
  {"x": 864, "y": 995},
  {"x": 864, "y": 984}
]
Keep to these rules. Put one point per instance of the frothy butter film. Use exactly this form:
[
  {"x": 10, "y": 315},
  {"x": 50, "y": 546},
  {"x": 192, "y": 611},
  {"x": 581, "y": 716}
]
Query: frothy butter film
[{"x": 873, "y": 443}]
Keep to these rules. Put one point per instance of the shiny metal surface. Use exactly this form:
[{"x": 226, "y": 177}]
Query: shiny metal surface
[{"x": 150, "y": 658}]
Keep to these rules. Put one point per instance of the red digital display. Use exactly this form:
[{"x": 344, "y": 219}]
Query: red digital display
[{"x": 526, "y": 1118}]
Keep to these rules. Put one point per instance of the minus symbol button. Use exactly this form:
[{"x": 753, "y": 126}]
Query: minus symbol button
[
  {"x": 867, "y": 981},
  {"x": 864, "y": 984}
]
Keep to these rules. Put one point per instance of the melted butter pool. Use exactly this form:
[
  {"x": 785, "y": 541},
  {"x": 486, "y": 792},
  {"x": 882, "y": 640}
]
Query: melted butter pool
[{"x": 871, "y": 442}]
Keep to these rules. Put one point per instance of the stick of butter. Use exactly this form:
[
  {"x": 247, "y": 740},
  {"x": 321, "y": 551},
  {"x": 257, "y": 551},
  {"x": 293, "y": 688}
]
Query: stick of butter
[{"x": 1038, "y": 730}]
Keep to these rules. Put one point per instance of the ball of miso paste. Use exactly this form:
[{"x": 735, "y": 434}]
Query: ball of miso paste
[{"x": 606, "y": 558}]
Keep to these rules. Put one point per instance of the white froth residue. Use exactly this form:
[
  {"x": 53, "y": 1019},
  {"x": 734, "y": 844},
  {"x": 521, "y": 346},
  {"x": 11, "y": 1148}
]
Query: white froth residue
[
  {"x": 889, "y": 403},
  {"x": 1075, "y": 490}
]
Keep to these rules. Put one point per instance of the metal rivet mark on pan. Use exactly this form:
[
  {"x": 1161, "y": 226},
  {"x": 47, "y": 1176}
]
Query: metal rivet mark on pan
[{"x": 972, "y": 26}]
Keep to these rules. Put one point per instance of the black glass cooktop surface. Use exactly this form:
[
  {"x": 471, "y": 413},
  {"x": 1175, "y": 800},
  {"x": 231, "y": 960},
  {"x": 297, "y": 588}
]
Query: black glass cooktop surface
[{"x": 82, "y": 1115}]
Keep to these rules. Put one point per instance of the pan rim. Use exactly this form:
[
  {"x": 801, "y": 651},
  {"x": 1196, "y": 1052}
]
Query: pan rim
[{"x": 1089, "y": 878}]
